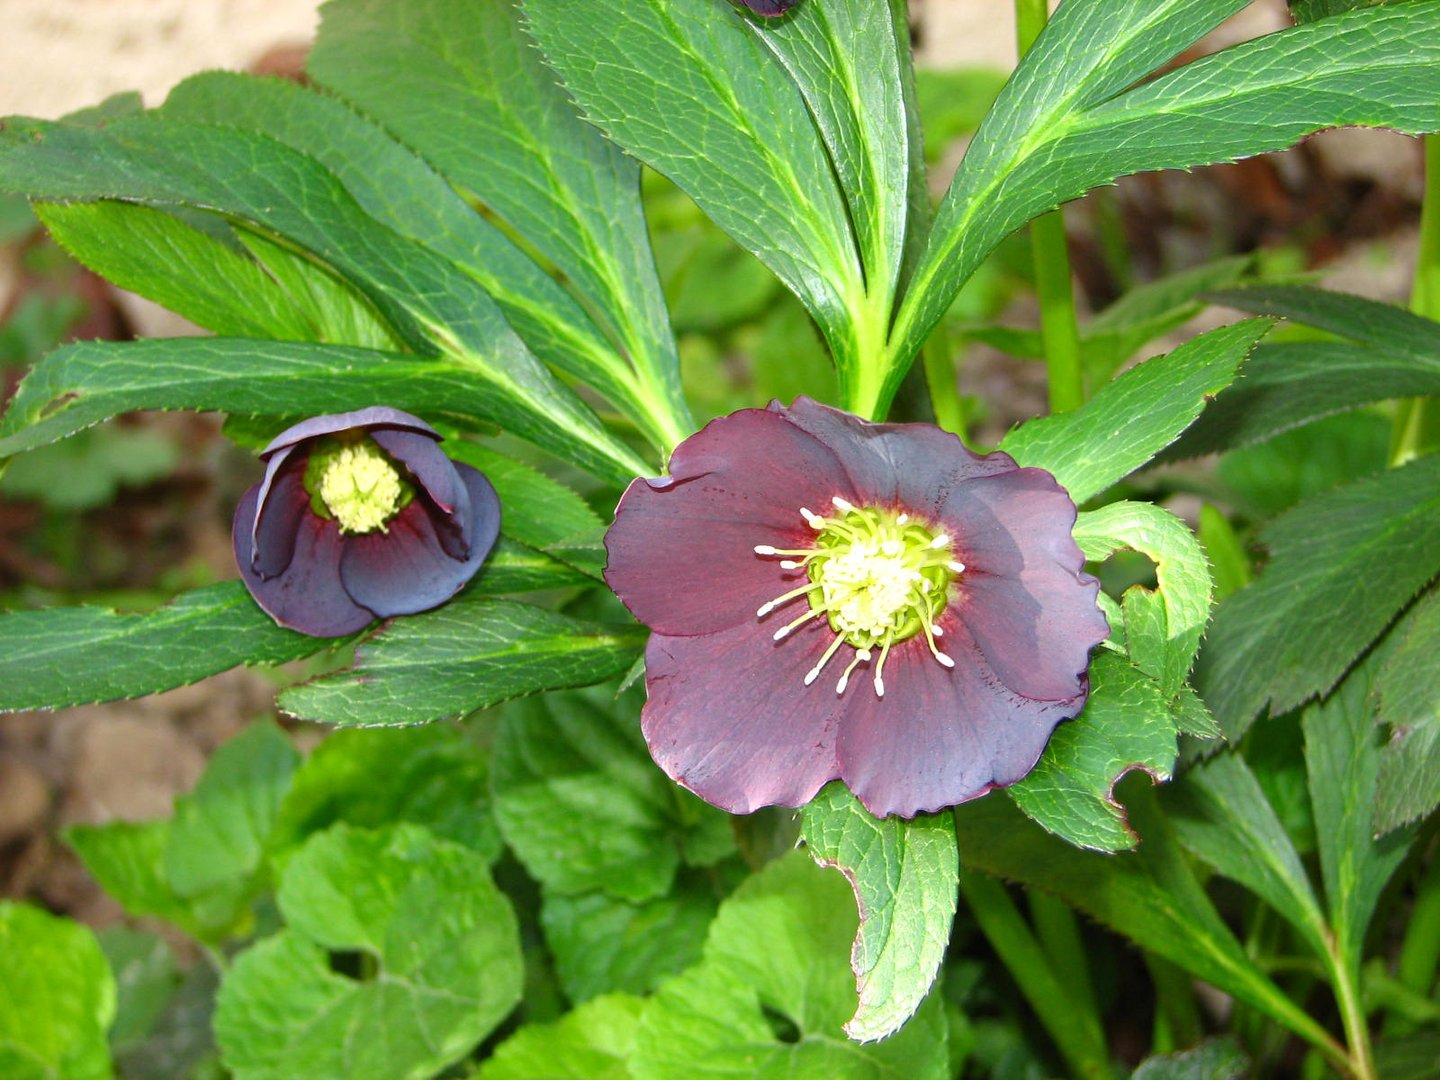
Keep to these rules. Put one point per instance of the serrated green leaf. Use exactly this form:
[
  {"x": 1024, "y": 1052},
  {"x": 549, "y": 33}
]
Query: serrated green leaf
[
  {"x": 584, "y": 807},
  {"x": 431, "y": 304},
  {"x": 602, "y": 943},
  {"x": 398, "y": 189},
  {"x": 1164, "y": 640},
  {"x": 1293, "y": 632},
  {"x": 1135, "y": 417},
  {"x": 1310, "y": 10},
  {"x": 339, "y": 313},
  {"x": 1214, "y": 1059},
  {"x": 1222, "y": 816},
  {"x": 1395, "y": 354},
  {"x": 219, "y": 832},
  {"x": 903, "y": 874},
  {"x": 462, "y": 84},
  {"x": 81, "y": 384},
  {"x": 1342, "y": 761},
  {"x": 1265, "y": 480},
  {"x": 851, "y": 66},
  {"x": 662, "y": 79},
  {"x": 1284, "y": 386},
  {"x": 592, "y": 1042},
  {"x": 472, "y": 652},
  {"x": 74, "y": 656},
  {"x": 1064, "y": 126},
  {"x": 57, "y": 998},
  {"x": 443, "y": 941},
  {"x": 1358, "y": 318},
  {"x": 778, "y": 945},
  {"x": 1408, "y": 786},
  {"x": 431, "y": 776},
  {"x": 176, "y": 265},
  {"x": 1127, "y": 724},
  {"x": 1150, "y": 896}
]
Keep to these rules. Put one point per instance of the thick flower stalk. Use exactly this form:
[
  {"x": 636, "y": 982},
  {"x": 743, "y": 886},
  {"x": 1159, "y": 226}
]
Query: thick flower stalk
[
  {"x": 832, "y": 598},
  {"x": 360, "y": 516}
]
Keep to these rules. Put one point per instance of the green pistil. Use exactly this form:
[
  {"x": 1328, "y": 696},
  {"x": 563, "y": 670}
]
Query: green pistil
[
  {"x": 353, "y": 482},
  {"x": 876, "y": 576}
]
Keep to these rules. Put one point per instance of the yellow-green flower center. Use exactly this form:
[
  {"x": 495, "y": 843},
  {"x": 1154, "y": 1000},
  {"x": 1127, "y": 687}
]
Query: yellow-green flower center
[
  {"x": 357, "y": 486},
  {"x": 877, "y": 577}
]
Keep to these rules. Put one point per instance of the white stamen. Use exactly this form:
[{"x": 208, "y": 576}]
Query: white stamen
[
  {"x": 891, "y": 548},
  {"x": 903, "y": 519},
  {"x": 815, "y": 521},
  {"x": 938, "y": 630},
  {"x": 957, "y": 567},
  {"x": 764, "y": 549},
  {"x": 879, "y": 686},
  {"x": 781, "y": 633},
  {"x": 945, "y": 660},
  {"x": 939, "y": 541},
  {"x": 789, "y": 564},
  {"x": 843, "y": 505},
  {"x": 765, "y": 609}
]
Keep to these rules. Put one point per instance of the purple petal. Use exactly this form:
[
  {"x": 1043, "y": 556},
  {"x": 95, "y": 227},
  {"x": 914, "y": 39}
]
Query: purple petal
[
  {"x": 730, "y": 718},
  {"x": 1023, "y": 596},
  {"x": 436, "y": 475},
  {"x": 682, "y": 548},
  {"x": 329, "y": 424},
  {"x": 307, "y": 596},
  {"x": 914, "y": 467},
  {"x": 940, "y": 736},
  {"x": 281, "y": 504},
  {"x": 406, "y": 569}
]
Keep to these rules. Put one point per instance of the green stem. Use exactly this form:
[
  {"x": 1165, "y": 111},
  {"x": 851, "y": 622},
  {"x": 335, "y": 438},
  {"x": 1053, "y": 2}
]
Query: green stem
[
  {"x": 1346, "y": 983},
  {"x": 1076, "y": 1031},
  {"x": 1059, "y": 934},
  {"x": 1058, "y": 326},
  {"x": 1417, "y": 421},
  {"x": 945, "y": 399}
]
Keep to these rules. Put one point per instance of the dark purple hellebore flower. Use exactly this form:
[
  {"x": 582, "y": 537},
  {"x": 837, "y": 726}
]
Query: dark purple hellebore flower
[
  {"x": 939, "y": 594},
  {"x": 361, "y": 516}
]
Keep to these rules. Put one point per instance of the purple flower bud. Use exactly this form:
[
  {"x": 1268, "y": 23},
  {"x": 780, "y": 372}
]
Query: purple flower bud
[
  {"x": 360, "y": 516},
  {"x": 832, "y": 598}
]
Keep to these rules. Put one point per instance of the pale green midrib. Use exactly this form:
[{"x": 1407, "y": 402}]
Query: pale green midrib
[
  {"x": 636, "y": 342},
  {"x": 572, "y": 644},
  {"x": 846, "y": 253},
  {"x": 1090, "y": 120},
  {"x": 921, "y": 281}
]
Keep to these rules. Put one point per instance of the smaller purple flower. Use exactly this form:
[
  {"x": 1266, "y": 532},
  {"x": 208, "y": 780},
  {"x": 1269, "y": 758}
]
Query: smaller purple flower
[{"x": 360, "y": 516}]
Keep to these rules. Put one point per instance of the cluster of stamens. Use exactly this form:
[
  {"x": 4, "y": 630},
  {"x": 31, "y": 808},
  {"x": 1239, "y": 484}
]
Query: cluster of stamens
[
  {"x": 877, "y": 576},
  {"x": 357, "y": 485}
]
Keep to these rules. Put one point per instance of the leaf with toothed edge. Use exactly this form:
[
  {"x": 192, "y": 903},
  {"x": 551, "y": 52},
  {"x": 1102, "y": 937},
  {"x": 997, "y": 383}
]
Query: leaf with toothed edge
[
  {"x": 903, "y": 874},
  {"x": 1136, "y": 705}
]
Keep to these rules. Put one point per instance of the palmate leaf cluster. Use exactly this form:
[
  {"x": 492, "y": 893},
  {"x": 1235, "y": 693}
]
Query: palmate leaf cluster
[{"x": 451, "y": 221}]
